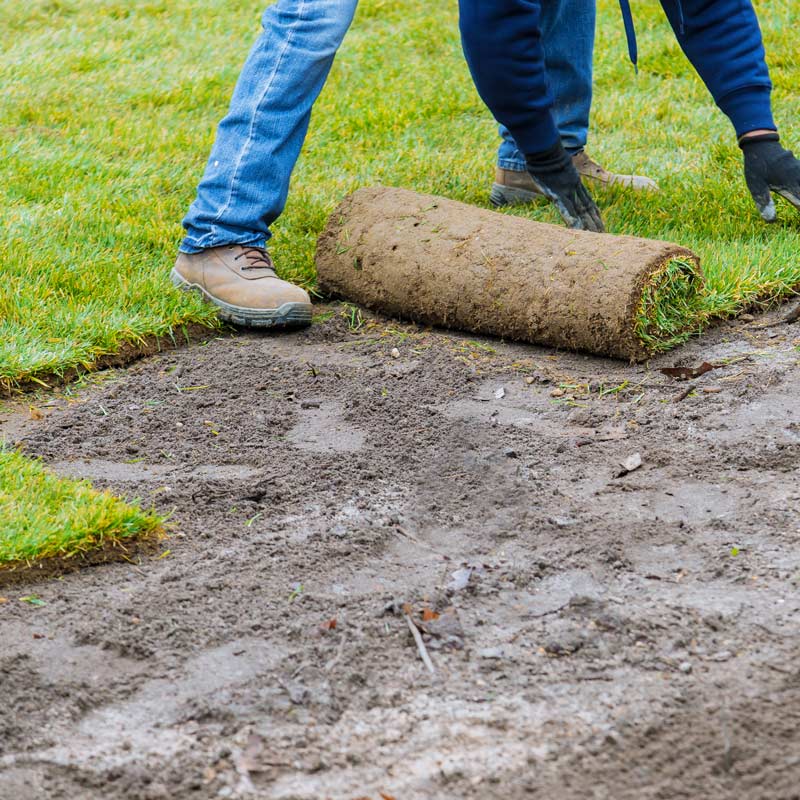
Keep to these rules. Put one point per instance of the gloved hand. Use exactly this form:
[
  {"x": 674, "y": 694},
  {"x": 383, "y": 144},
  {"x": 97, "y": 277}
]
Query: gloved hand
[
  {"x": 769, "y": 168},
  {"x": 558, "y": 180}
]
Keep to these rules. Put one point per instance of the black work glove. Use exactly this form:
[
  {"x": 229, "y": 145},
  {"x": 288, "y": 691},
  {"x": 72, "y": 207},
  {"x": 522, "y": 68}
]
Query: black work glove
[
  {"x": 558, "y": 180},
  {"x": 769, "y": 168}
]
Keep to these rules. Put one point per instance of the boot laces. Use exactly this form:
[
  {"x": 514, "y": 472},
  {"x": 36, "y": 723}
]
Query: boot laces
[{"x": 256, "y": 258}]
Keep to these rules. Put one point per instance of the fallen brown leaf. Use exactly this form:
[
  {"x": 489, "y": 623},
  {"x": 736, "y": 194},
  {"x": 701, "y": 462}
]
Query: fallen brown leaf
[
  {"x": 330, "y": 625},
  {"x": 35, "y": 413},
  {"x": 686, "y": 373},
  {"x": 429, "y": 614}
]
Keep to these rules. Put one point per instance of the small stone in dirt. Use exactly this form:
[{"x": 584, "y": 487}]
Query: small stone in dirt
[
  {"x": 500, "y": 393},
  {"x": 564, "y": 647},
  {"x": 510, "y": 452},
  {"x": 298, "y": 693},
  {"x": 557, "y": 393},
  {"x": 685, "y": 667},
  {"x": 530, "y": 379},
  {"x": 395, "y": 353},
  {"x": 630, "y": 464},
  {"x": 492, "y": 653},
  {"x": 746, "y": 317},
  {"x": 562, "y": 522},
  {"x": 722, "y": 655}
]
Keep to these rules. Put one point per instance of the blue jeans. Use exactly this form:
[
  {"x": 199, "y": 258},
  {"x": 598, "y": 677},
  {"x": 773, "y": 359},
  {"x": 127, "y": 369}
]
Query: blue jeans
[
  {"x": 568, "y": 40},
  {"x": 246, "y": 182}
]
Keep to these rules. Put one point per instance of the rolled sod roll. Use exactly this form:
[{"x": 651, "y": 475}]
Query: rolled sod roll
[{"x": 444, "y": 263}]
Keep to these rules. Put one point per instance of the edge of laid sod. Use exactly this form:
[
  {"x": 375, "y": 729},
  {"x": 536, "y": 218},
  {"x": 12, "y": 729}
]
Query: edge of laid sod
[{"x": 59, "y": 523}]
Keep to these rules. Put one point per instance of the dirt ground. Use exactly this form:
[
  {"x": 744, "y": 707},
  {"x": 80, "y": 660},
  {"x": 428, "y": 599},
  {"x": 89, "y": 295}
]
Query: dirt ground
[{"x": 593, "y": 634}]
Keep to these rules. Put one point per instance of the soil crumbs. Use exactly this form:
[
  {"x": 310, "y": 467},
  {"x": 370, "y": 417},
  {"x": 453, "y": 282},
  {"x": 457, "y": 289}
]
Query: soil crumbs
[{"x": 595, "y": 630}]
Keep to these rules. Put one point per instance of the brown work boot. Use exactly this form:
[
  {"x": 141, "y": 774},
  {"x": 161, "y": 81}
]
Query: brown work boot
[
  {"x": 241, "y": 281},
  {"x": 514, "y": 187},
  {"x": 594, "y": 172}
]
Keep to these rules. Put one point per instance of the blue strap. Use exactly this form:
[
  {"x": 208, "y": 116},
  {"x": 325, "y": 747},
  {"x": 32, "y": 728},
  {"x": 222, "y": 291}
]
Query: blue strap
[{"x": 630, "y": 32}]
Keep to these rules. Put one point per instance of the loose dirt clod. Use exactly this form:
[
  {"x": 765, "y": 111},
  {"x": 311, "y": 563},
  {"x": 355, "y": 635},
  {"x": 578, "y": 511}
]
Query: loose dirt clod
[{"x": 445, "y": 263}]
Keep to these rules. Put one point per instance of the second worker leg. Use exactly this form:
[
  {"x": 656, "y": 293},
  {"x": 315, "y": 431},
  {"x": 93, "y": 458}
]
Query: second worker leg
[{"x": 568, "y": 33}]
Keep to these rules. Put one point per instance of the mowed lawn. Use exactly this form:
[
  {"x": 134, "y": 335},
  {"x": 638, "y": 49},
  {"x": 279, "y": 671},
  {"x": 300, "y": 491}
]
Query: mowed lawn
[{"x": 108, "y": 110}]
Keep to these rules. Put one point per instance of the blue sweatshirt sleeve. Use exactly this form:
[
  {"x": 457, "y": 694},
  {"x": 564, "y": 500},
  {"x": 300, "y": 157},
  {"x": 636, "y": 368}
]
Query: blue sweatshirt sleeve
[
  {"x": 503, "y": 48},
  {"x": 723, "y": 41}
]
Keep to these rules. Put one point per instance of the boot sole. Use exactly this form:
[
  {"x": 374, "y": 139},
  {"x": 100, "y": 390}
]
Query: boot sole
[
  {"x": 289, "y": 315},
  {"x": 506, "y": 196}
]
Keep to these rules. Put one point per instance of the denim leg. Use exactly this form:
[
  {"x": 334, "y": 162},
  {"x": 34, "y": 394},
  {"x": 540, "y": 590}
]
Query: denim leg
[
  {"x": 246, "y": 181},
  {"x": 568, "y": 28}
]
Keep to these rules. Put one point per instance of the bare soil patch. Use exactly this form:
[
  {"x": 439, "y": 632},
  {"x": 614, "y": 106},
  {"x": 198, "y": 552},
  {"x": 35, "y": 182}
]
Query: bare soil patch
[{"x": 597, "y": 636}]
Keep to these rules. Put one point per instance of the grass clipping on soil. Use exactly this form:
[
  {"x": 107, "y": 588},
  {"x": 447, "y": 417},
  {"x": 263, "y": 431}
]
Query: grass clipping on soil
[
  {"x": 43, "y": 516},
  {"x": 445, "y": 263}
]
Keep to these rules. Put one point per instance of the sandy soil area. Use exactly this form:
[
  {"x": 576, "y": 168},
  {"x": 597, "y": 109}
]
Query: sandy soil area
[{"x": 592, "y": 634}]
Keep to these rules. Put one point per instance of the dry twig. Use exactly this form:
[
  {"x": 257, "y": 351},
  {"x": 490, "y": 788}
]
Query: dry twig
[{"x": 423, "y": 651}]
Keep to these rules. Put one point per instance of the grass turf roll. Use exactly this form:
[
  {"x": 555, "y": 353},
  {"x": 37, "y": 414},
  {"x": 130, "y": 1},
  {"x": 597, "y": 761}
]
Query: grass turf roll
[{"x": 445, "y": 263}]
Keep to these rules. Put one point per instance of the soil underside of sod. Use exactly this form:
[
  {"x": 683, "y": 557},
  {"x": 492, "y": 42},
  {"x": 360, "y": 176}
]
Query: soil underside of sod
[{"x": 625, "y": 637}]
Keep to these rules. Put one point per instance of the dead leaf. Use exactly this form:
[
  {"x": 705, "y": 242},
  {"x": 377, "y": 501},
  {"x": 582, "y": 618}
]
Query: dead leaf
[
  {"x": 3, "y": 600},
  {"x": 446, "y": 629},
  {"x": 429, "y": 614},
  {"x": 460, "y": 579},
  {"x": 630, "y": 464},
  {"x": 385, "y": 796},
  {"x": 687, "y": 373},
  {"x": 35, "y": 413},
  {"x": 330, "y": 625}
]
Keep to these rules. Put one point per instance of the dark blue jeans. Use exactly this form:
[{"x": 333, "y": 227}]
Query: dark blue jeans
[{"x": 568, "y": 28}]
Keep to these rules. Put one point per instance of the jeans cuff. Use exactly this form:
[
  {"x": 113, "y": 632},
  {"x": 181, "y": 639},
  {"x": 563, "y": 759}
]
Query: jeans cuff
[
  {"x": 513, "y": 164},
  {"x": 519, "y": 165},
  {"x": 190, "y": 246}
]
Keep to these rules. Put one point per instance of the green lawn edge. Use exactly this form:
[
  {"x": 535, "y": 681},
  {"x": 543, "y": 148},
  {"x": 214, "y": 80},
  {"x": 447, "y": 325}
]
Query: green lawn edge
[{"x": 44, "y": 516}]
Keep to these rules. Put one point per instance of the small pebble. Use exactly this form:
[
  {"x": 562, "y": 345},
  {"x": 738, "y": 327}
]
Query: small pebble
[
  {"x": 557, "y": 393},
  {"x": 395, "y": 353},
  {"x": 685, "y": 667}
]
